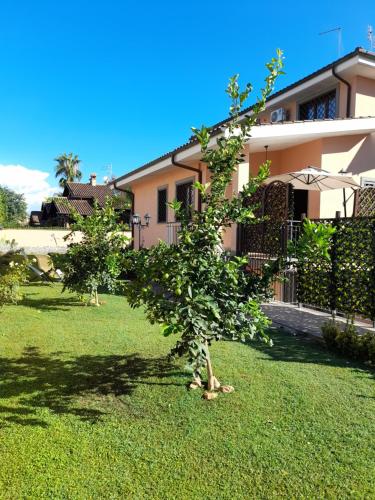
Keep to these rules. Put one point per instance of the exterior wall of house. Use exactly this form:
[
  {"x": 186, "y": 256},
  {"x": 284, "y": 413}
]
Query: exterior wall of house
[
  {"x": 353, "y": 154},
  {"x": 146, "y": 201},
  {"x": 289, "y": 160},
  {"x": 349, "y": 153},
  {"x": 240, "y": 178},
  {"x": 364, "y": 102},
  {"x": 291, "y": 105}
]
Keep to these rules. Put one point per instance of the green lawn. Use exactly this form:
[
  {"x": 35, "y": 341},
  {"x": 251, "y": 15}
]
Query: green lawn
[{"x": 89, "y": 408}]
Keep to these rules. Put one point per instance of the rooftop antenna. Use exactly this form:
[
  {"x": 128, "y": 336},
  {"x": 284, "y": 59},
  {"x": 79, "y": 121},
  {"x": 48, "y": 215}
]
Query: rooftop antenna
[
  {"x": 109, "y": 175},
  {"x": 339, "y": 38},
  {"x": 370, "y": 37}
]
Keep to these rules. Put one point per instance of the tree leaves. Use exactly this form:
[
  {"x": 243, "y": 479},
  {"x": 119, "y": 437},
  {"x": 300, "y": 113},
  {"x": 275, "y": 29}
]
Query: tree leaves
[
  {"x": 67, "y": 169},
  {"x": 193, "y": 289},
  {"x": 13, "y": 207},
  {"x": 98, "y": 259}
]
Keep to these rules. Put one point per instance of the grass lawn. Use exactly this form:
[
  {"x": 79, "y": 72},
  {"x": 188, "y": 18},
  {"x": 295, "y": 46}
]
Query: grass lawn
[{"x": 89, "y": 408}]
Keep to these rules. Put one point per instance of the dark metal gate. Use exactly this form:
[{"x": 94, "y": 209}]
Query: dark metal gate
[
  {"x": 274, "y": 205},
  {"x": 265, "y": 241}
]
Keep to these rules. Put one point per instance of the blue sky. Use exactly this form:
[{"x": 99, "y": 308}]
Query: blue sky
[{"x": 121, "y": 82}]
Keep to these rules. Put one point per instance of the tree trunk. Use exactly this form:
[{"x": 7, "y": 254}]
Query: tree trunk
[
  {"x": 96, "y": 298},
  {"x": 212, "y": 382}
]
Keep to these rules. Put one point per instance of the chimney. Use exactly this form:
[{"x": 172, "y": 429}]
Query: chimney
[{"x": 93, "y": 179}]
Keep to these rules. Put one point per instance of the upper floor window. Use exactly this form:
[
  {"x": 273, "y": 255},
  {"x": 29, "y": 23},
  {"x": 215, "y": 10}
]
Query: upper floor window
[
  {"x": 162, "y": 204},
  {"x": 319, "y": 108},
  {"x": 185, "y": 194}
]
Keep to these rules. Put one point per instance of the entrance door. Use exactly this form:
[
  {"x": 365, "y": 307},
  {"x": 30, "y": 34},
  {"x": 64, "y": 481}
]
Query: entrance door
[{"x": 301, "y": 198}]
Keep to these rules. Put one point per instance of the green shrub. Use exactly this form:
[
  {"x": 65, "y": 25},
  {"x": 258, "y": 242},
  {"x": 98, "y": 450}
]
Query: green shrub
[
  {"x": 348, "y": 341},
  {"x": 330, "y": 331},
  {"x": 368, "y": 345},
  {"x": 11, "y": 280}
]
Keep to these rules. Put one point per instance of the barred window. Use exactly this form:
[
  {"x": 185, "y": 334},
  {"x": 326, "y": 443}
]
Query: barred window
[
  {"x": 185, "y": 194},
  {"x": 162, "y": 205},
  {"x": 323, "y": 106}
]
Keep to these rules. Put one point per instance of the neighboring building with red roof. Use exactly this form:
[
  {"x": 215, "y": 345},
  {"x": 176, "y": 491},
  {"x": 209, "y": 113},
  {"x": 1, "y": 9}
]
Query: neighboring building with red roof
[{"x": 76, "y": 197}]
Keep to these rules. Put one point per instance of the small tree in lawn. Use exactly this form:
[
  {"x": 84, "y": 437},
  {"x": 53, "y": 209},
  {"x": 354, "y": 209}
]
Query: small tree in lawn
[
  {"x": 95, "y": 261},
  {"x": 190, "y": 288}
]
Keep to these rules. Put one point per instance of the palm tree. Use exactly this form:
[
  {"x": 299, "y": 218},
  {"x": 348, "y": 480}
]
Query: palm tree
[{"x": 67, "y": 169}]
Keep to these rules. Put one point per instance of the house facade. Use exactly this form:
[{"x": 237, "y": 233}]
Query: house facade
[{"x": 325, "y": 120}]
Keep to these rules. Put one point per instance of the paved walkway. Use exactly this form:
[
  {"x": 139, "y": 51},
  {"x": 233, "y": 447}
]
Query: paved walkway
[{"x": 302, "y": 320}]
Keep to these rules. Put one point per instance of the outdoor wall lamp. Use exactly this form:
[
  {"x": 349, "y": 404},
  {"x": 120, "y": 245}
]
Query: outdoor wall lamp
[
  {"x": 136, "y": 219},
  {"x": 137, "y": 222},
  {"x": 147, "y": 219}
]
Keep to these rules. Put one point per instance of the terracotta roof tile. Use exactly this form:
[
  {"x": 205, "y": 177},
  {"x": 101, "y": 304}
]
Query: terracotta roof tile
[
  {"x": 88, "y": 192},
  {"x": 66, "y": 207}
]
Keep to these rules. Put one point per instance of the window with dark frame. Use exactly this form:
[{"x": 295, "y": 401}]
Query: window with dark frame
[
  {"x": 185, "y": 194},
  {"x": 319, "y": 108},
  {"x": 162, "y": 205}
]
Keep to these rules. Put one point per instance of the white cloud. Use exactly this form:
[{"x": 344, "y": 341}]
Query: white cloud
[{"x": 30, "y": 182}]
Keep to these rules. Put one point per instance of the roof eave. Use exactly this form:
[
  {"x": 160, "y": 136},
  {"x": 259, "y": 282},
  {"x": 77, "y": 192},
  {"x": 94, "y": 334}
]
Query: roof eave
[
  {"x": 281, "y": 95},
  {"x": 282, "y": 134}
]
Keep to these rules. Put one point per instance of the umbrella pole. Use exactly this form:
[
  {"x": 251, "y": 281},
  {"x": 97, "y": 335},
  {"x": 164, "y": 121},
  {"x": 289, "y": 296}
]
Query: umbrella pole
[{"x": 344, "y": 195}]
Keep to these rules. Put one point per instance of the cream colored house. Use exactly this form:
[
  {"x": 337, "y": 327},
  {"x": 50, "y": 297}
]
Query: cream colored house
[{"x": 326, "y": 120}]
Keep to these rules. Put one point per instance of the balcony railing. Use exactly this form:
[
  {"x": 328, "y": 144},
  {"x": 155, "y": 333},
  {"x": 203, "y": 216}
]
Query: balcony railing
[{"x": 172, "y": 232}]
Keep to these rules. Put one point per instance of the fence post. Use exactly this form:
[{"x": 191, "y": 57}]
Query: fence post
[
  {"x": 303, "y": 217},
  {"x": 373, "y": 275},
  {"x": 334, "y": 270}
]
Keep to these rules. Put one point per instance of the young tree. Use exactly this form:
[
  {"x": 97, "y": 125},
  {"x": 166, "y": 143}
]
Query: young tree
[
  {"x": 191, "y": 288},
  {"x": 67, "y": 169},
  {"x": 95, "y": 261}
]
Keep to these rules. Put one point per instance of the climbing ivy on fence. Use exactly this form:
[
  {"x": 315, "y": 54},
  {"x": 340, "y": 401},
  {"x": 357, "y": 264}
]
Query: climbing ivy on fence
[
  {"x": 355, "y": 263},
  {"x": 312, "y": 251},
  {"x": 343, "y": 277}
]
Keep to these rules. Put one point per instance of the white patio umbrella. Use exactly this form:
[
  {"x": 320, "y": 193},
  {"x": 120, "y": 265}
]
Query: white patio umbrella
[{"x": 316, "y": 179}]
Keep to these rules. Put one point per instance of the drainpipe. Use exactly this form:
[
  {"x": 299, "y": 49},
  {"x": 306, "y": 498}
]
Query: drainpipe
[
  {"x": 349, "y": 90},
  {"x": 132, "y": 207},
  {"x": 348, "y": 102},
  {"x": 193, "y": 169}
]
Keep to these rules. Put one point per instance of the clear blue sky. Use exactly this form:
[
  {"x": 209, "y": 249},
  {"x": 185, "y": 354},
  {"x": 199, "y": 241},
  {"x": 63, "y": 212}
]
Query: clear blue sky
[{"x": 122, "y": 82}]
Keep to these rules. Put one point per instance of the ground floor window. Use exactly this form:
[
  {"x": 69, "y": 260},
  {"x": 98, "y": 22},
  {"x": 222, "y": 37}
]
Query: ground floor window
[
  {"x": 162, "y": 204},
  {"x": 185, "y": 195}
]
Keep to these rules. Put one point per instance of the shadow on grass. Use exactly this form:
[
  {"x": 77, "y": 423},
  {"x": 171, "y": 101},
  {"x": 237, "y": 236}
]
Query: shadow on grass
[
  {"x": 51, "y": 303},
  {"x": 78, "y": 386},
  {"x": 304, "y": 349},
  {"x": 37, "y": 283}
]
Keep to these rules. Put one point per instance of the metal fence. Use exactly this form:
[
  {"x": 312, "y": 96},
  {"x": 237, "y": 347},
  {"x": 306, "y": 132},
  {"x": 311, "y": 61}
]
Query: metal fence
[
  {"x": 345, "y": 282},
  {"x": 267, "y": 241}
]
